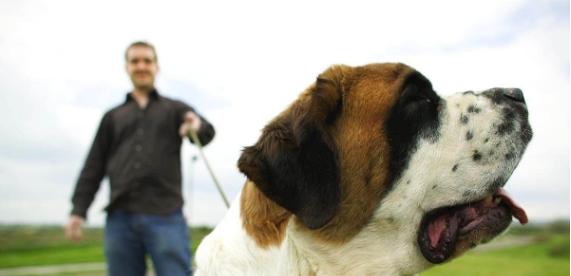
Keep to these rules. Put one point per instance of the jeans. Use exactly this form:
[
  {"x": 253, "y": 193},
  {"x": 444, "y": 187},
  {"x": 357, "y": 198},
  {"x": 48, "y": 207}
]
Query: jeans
[{"x": 129, "y": 237}]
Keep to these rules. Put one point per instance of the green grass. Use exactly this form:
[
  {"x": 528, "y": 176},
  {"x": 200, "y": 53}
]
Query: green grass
[
  {"x": 32, "y": 246},
  {"x": 47, "y": 256},
  {"x": 549, "y": 255}
]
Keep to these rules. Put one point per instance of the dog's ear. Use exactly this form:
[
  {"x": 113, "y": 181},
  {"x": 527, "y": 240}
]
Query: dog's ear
[{"x": 294, "y": 163}]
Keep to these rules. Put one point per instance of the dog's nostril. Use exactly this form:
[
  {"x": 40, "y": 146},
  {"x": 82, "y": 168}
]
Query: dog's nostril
[{"x": 514, "y": 94}]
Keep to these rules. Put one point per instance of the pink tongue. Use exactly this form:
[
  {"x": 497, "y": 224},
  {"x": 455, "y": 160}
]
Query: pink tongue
[
  {"x": 435, "y": 229},
  {"x": 517, "y": 211},
  {"x": 444, "y": 226}
]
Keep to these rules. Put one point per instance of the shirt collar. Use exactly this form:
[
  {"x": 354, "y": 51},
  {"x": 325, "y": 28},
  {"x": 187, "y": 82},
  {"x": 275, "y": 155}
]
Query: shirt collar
[{"x": 153, "y": 95}]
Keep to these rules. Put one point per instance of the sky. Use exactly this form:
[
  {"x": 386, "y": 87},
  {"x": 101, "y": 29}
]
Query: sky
[{"x": 240, "y": 63}]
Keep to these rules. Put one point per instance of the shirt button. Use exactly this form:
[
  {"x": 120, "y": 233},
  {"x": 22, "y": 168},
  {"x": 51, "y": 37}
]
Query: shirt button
[
  {"x": 138, "y": 147},
  {"x": 140, "y": 131},
  {"x": 137, "y": 165}
]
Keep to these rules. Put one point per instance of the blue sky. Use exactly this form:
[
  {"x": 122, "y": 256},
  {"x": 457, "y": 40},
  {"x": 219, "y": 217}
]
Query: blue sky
[{"x": 242, "y": 62}]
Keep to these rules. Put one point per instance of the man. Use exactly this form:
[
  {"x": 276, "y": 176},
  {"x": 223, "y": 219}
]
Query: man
[{"x": 137, "y": 146}]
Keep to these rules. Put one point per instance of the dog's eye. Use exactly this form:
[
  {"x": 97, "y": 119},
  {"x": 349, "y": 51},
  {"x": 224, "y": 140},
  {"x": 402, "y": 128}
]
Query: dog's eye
[
  {"x": 412, "y": 94},
  {"x": 420, "y": 97}
]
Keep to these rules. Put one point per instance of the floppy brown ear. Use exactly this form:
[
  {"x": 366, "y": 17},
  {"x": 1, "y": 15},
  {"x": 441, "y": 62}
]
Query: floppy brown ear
[{"x": 294, "y": 163}]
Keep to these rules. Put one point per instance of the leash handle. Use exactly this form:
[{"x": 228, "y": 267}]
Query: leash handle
[{"x": 194, "y": 138}]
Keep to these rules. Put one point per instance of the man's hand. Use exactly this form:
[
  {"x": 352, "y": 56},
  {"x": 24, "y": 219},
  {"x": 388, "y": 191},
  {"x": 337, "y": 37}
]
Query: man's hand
[
  {"x": 191, "y": 121},
  {"x": 73, "y": 228}
]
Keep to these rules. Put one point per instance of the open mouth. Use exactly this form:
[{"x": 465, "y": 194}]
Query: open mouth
[{"x": 441, "y": 228}]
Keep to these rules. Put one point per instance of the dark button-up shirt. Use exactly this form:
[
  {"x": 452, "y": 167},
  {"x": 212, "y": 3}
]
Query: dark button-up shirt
[{"x": 139, "y": 150}]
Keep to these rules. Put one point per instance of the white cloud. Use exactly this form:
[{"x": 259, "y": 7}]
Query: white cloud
[{"x": 240, "y": 63}]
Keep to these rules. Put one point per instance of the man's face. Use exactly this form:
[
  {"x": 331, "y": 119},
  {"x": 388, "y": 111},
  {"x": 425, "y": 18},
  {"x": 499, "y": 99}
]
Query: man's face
[{"x": 142, "y": 67}]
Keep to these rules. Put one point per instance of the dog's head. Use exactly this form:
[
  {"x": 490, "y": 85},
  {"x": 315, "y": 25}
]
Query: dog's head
[{"x": 370, "y": 158}]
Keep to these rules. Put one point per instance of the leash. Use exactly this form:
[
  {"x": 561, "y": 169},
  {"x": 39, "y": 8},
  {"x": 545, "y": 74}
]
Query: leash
[{"x": 194, "y": 138}]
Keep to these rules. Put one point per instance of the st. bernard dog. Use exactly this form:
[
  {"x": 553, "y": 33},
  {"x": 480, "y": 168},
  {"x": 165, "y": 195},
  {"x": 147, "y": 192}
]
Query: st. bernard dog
[{"x": 370, "y": 172}]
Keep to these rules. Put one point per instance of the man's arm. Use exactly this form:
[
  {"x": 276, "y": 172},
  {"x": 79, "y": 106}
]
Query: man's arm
[
  {"x": 193, "y": 120},
  {"x": 89, "y": 179}
]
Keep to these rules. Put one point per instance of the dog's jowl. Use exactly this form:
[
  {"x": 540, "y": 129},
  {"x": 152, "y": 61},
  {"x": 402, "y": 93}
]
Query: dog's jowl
[{"x": 370, "y": 172}]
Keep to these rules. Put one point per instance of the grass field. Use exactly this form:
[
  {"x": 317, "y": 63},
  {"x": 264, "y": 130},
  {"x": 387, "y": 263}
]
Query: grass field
[
  {"x": 547, "y": 254},
  {"x": 34, "y": 246}
]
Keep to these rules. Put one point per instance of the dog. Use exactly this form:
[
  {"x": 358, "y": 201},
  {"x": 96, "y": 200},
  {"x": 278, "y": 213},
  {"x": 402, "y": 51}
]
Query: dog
[{"x": 370, "y": 172}]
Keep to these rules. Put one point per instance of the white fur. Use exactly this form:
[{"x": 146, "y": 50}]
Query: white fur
[
  {"x": 230, "y": 246},
  {"x": 387, "y": 245}
]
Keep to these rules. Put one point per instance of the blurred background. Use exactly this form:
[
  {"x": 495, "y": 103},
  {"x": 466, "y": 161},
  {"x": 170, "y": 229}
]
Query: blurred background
[{"x": 240, "y": 63}]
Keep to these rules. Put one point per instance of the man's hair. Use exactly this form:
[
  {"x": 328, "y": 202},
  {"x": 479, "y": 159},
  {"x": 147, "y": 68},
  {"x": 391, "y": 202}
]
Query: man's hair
[{"x": 141, "y": 44}]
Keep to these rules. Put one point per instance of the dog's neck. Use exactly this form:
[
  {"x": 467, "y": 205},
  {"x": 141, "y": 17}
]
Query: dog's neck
[
  {"x": 272, "y": 227},
  {"x": 348, "y": 258},
  {"x": 267, "y": 240}
]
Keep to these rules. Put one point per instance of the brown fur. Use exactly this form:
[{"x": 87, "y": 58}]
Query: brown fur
[
  {"x": 366, "y": 95},
  {"x": 263, "y": 219},
  {"x": 364, "y": 164}
]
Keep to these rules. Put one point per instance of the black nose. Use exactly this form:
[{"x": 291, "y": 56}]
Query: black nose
[{"x": 514, "y": 94}]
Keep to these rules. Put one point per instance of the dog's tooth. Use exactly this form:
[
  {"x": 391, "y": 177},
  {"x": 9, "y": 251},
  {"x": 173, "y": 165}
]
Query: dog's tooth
[{"x": 497, "y": 200}]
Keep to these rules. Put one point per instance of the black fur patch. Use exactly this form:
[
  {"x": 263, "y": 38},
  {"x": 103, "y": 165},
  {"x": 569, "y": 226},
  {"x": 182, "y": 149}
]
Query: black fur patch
[
  {"x": 464, "y": 119},
  {"x": 473, "y": 109},
  {"x": 476, "y": 156},
  {"x": 469, "y": 135},
  {"x": 415, "y": 116},
  {"x": 302, "y": 178},
  {"x": 506, "y": 127}
]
